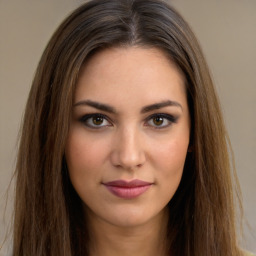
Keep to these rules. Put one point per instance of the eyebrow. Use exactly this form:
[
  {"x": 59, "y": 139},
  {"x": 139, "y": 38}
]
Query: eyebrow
[
  {"x": 161, "y": 105},
  {"x": 110, "y": 109},
  {"x": 97, "y": 105}
]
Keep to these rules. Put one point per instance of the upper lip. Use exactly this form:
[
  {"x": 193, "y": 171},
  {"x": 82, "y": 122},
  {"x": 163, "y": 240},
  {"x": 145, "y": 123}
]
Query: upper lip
[{"x": 127, "y": 184}]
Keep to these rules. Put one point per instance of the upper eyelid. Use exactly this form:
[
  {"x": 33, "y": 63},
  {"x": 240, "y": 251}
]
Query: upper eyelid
[
  {"x": 87, "y": 116},
  {"x": 84, "y": 120},
  {"x": 95, "y": 114},
  {"x": 164, "y": 115},
  {"x": 170, "y": 122}
]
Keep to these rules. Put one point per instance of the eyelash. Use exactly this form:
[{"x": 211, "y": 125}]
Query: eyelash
[
  {"x": 165, "y": 117},
  {"x": 85, "y": 119}
]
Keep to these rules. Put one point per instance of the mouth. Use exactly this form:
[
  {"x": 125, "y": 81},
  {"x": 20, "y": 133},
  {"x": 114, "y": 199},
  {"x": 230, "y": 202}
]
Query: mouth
[{"x": 127, "y": 189}]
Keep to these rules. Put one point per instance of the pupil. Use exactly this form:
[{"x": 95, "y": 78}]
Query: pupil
[
  {"x": 158, "y": 120},
  {"x": 97, "y": 120}
]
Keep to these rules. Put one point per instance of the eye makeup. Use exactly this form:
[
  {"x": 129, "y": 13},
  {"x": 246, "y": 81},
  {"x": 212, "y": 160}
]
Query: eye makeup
[
  {"x": 95, "y": 121},
  {"x": 155, "y": 121},
  {"x": 161, "y": 120}
]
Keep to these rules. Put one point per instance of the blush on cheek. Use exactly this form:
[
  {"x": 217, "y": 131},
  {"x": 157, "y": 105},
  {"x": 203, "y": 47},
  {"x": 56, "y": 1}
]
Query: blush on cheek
[
  {"x": 173, "y": 160},
  {"x": 174, "y": 151},
  {"x": 78, "y": 153}
]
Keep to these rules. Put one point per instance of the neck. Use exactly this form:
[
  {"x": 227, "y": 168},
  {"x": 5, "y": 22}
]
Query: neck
[{"x": 144, "y": 240}]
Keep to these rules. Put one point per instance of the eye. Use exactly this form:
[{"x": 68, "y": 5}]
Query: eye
[
  {"x": 95, "y": 121},
  {"x": 159, "y": 121}
]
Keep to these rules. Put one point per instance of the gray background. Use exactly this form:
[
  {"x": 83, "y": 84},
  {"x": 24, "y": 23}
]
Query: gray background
[{"x": 226, "y": 30}]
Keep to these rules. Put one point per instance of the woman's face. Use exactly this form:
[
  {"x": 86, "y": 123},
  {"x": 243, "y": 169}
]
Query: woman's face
[{"x": 129, "y": 135}]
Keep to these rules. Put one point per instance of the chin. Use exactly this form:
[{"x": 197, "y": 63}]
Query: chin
[
  {"x": 130, "y": 217},
  {"x": 129, "y": 220}
]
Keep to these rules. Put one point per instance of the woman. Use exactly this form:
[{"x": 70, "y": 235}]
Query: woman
[{"x": 123, "y": 148}]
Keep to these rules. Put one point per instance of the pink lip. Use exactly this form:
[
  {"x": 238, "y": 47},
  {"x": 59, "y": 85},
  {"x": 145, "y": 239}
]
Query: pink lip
[{"x": 127, "y": 189}]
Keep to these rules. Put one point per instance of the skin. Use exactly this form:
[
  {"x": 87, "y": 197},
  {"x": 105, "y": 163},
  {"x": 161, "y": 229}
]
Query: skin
[{"x": 128, "y": 144}]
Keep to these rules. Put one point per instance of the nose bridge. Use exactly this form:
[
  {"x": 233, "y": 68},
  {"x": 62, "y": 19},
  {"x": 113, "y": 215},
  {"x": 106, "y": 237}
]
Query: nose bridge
[{"x": 128, "y": 151}]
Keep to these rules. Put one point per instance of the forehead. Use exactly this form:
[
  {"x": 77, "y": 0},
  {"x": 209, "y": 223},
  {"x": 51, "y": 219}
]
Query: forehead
[{"x": 130, "y": 74}]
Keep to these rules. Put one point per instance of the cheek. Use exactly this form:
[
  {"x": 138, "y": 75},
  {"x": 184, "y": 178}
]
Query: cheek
[
  {"x": 83, "y": 159},
  {"x": 81, "y": 151},
  {"x": 170, "y": 159}
]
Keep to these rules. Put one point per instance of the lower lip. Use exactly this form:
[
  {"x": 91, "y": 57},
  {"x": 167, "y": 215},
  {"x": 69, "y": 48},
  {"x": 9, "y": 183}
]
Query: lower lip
[{"x": 128, "y": 192}]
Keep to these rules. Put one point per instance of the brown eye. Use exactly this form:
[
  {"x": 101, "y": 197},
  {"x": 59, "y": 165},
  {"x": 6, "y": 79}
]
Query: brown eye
[
  {"x": 97, "y": 120},
  {"x": 158, "y": 120}
]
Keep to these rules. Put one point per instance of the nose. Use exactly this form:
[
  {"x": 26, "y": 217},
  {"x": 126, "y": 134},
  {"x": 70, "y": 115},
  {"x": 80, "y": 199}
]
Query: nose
[{"x": 128, "y": 152}]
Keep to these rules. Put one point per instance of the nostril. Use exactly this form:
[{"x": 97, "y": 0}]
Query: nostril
[{"x": 127, "y": 161}]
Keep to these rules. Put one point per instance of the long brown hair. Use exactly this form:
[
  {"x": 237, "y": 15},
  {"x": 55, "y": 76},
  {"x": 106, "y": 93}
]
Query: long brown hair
[{"x": 48, "y": 214}]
